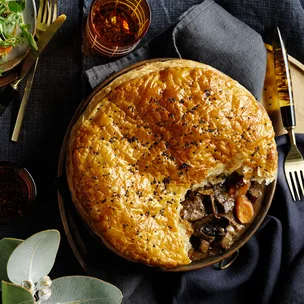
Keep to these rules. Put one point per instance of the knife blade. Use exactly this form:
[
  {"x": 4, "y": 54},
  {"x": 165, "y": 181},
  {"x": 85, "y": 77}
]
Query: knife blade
[
  {"x": 283, "y": 81},
  {"x": 7, "y": 95}
]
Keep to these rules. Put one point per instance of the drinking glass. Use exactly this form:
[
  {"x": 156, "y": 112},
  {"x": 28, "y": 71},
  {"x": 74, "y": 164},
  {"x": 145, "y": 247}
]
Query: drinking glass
[{"x": 115, "y": 27}]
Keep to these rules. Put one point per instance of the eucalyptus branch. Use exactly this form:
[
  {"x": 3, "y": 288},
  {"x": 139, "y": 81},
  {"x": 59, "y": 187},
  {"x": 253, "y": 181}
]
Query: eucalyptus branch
[{"x": 25, "y": 275}]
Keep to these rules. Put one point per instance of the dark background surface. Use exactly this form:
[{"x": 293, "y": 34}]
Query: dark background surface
[
  {"x": 56, "y": 93},
  {"x": 58, "y": 89}
]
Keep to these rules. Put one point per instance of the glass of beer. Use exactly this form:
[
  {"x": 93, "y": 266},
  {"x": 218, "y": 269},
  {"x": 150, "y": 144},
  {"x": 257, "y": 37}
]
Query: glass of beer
[{"x": 115, "y": 27}]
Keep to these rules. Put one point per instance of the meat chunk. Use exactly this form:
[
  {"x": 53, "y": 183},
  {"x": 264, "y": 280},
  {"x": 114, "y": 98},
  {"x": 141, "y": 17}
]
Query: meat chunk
[
  {"x": 193, "y": 207},
  {"x": 219, "y": 193},
  {"x": 222, "y": 201}
]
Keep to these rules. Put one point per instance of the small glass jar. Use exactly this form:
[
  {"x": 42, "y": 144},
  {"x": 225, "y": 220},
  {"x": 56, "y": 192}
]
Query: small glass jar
[
  {"x": 115, "y": 27},
  {"x": 17, "y": 192}
]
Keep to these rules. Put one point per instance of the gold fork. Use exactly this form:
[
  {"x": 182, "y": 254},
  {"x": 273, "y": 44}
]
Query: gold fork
[
  {"x": 294, "y": 164},
  {"x": 47, "y": 13}
]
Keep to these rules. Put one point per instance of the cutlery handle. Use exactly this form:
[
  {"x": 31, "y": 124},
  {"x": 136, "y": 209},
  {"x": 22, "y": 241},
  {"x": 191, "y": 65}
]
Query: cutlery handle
[
  {"x": 288, "y": 116},
  {"x": 6, "y": 96},
  {"x": 23, "y": 104},
  {"x": 285, "y": 94},
  {"x": 284, "y": 83}
]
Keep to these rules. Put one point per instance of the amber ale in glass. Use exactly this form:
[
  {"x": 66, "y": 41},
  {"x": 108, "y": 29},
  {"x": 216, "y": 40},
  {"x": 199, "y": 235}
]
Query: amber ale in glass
[{"x": 114, "y": 28}]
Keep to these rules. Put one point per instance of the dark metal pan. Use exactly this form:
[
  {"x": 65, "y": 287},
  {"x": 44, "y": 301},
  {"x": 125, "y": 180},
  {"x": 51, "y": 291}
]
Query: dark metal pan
[{"x": 87, "y": 247}]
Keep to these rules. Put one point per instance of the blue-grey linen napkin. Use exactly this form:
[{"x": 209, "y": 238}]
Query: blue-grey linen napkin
[{"x": 206, "y": 33}]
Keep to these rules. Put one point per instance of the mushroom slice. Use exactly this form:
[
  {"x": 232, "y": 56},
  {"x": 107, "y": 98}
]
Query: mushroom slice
[
  {"x": 204, "y": 246},
  {"x": 237, "y": 227},
  {"x": 229, "y": 238},
  {"x": 211, "y": 227},
  {"x": 254, "y": 192},
  {"x": 226, "y": 206},
  {"x": 209, "y": 204}
]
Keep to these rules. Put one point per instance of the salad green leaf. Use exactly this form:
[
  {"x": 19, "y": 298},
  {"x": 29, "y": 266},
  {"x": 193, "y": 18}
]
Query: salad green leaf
[
  {"x": 28, "y": 36},
  {"x": 16, "y": 6},
  {"x": 13, "y": 30}
]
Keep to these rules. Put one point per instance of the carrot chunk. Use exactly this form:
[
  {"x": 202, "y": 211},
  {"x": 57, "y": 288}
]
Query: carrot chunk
[
  {"x": 243, "y": 190},
  {"x": 243, "y": 209},
  {"x": 5, "y": 50}
]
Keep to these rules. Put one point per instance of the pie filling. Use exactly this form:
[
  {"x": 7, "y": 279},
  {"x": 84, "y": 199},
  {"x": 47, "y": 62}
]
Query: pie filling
[{"x": 219, "y": 214}]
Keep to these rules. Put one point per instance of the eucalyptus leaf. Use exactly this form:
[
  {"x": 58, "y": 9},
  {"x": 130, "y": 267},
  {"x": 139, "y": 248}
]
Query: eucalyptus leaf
[
  {"x": 33, "y": 258},
  {"x": 81, "y": 289},
  {"x": 7, "y": 246},
  {"x": 14, "y": 294}
]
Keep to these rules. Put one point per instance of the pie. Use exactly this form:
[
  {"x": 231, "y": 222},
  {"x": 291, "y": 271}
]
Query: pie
[{"x": 167, "y": 162}]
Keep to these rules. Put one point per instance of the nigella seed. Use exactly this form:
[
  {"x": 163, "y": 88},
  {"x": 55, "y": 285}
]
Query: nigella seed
[
  {"x": 132, "y": 139},
  {"x": 183, "y": 166},
  {"x": 167, "y": 180}
]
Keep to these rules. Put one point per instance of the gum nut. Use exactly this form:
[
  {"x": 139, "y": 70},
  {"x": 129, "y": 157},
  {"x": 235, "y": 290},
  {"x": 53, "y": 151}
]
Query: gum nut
[
  {"x": 29, "y": 285},
  {"x": 45, "y": 281},
  {"x": 44, "y": 294}
]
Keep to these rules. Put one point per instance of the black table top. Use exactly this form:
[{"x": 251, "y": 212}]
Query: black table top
[
  {"x": 56, "y": 92},
  {"x": 58, "y": 89}
]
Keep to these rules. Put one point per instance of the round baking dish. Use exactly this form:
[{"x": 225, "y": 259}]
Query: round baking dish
[{"x": 73, "y": 225}]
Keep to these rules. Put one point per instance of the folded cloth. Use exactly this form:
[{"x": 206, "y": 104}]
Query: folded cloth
[{"x": 205, "y": 33}]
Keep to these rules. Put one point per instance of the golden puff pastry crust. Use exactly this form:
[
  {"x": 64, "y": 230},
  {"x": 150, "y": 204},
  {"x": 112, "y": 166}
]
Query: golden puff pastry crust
[{"x": 151, "y": 135}]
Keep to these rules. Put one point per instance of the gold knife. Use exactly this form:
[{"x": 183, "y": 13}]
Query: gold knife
[
  {"x": 28, "y": 86},
  {"x": 8, "y": 93}
]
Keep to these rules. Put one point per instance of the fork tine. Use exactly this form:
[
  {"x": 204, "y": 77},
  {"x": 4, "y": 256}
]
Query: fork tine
[
  {"x": 49, "y": 20},
  {"x": 294, "y": 177},
  {"x": 55, "y": 13},
  {"x": 301, "y": 182},
  {"x": 289, "y": 182},
  {"x": 40, "y": 10},
  {"x": 45, "y": 11}
]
